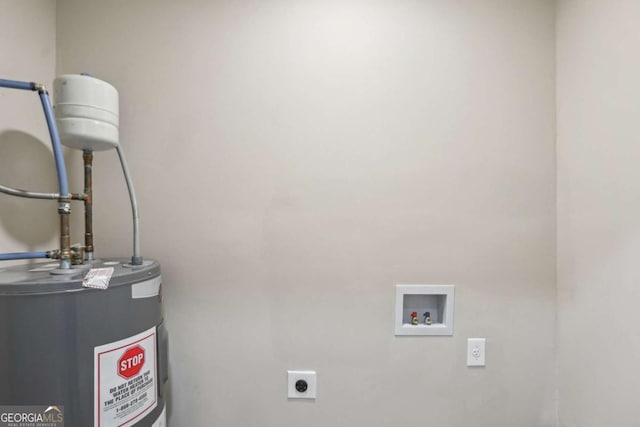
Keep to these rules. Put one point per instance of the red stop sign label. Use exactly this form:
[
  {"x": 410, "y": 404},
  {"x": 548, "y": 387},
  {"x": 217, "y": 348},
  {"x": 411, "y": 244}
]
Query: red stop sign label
[{"x": 131, "y": 362}]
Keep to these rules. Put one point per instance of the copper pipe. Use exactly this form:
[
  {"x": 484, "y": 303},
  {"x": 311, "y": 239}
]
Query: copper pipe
[
  {"x": 64, "y": 209},
  {"x": 87, "y": 157}
]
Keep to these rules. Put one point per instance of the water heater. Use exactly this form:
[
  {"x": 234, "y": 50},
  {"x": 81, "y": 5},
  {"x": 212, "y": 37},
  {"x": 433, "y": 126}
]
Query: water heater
[{"x": 98, "y": 355}]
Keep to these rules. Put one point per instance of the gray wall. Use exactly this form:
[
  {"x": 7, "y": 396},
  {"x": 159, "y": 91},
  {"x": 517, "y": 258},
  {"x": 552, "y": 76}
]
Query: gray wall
[
  {"x": 598, "y": 211},
  {"x": 295, "y": 160},
  {"x": 27, "y": 52}
]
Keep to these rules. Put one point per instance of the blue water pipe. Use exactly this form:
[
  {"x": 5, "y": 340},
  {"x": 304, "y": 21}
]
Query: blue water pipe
[
  {"x": 61, "y": 167},
  {"x": 23, "y": 255},
  {"x": 15, "y": 84}
]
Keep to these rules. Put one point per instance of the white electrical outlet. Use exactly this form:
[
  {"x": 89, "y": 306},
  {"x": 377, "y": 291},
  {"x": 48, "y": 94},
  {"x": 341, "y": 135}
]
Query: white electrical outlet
[
  {"x": 476, "y": 352},
  {"x": 301, "y": 384}
]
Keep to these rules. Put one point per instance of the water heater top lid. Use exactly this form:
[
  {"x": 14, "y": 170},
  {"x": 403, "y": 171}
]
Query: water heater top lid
[{"x": 86, "y": 111}]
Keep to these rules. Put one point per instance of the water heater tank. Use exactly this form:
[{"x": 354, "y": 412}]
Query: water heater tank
[
  {"x": 86, "y": 111},
  {"x": 98, "y": 356}
]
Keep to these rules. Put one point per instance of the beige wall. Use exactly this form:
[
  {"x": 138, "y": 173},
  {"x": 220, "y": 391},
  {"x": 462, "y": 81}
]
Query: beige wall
[
  {"x": 598, "y": 227},
  {"x": 27, "y": 52},
  {"x": 294, "y": 160}
]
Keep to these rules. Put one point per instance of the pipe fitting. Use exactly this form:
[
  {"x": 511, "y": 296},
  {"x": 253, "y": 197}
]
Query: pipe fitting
[
  {"x": 77, "y": 254},
  {"x": 54, "y": 254},
  {"x": 64, "y": 207}
]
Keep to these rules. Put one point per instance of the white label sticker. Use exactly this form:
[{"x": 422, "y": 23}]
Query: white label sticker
[
  {"x": 98, "y": 278},
  {"x": 125, "y": 383},
  {"x": 146, "y": 289}
]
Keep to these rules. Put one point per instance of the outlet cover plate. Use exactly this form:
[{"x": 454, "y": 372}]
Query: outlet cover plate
[
  {"x": 309, "y": 376},
  {"x": 476, "y": 352}
]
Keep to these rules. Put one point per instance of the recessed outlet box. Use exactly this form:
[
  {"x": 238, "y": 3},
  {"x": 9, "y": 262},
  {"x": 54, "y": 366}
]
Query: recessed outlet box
[
  {"x": 424, "y": 309},
  {"x": 301, "y": 384}
]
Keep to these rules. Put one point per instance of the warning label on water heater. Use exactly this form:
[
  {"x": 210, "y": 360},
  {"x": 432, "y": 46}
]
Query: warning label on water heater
[{"x": 126, "y": 386}]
